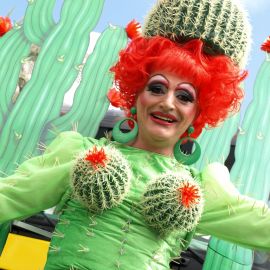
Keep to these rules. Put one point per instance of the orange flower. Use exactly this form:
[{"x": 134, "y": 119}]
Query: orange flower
[
  {"x": 188, "y": 194},
  {"x": 115, "y": 99},
  {"x": 266, "y": 45},
  {"x": 133, "y": 29},
  {"x": 5, "y": 25},
  {"x": 96, "y": 157}
]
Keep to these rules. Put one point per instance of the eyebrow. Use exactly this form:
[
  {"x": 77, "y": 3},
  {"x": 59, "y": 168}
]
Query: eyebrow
[
  {"x": 188, "y": 84},
  {"x": 153, "y": 80},
  {"x": 159, "y": 75},
  {"x": 193, "y": 87}
]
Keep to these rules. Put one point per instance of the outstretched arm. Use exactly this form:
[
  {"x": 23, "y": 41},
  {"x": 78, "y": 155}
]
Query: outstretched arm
[
  {"x": 39, "y": 183},
  {"x": 231, "y": 216}
]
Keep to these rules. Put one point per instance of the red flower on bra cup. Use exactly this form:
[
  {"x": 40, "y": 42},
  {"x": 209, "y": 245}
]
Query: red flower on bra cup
[
  {"x": 5, "y": 25},
  {"x": 96, "y": 157},
  {"x": 188, "y": 194},
  {"x": 266, "y": 45}
]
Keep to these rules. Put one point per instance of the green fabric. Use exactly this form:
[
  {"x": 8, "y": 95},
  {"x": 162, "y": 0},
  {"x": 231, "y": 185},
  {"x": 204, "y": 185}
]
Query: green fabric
[
  {"x": 231, "y": 216},
  {"x": 119, "y": 238},
  {"x": 39, "y": 183}
]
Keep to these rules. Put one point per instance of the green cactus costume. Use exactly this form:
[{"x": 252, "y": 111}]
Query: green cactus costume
[{"x": 120, "y": 237}]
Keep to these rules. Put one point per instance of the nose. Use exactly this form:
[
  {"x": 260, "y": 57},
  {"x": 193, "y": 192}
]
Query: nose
[{"x": 168, "y": 101}]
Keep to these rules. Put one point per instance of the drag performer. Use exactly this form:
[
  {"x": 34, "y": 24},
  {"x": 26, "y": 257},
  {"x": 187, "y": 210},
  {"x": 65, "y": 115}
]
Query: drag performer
[{"x": 135, "y": 202}]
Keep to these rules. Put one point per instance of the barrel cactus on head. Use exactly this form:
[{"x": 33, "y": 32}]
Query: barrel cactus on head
[{"x": 222, "y": 24}]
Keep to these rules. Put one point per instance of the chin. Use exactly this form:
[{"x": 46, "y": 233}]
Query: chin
[{"x": 162, "y": 136}]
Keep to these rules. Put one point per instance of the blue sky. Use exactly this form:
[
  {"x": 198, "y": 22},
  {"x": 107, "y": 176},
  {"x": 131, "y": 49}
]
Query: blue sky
[{"x": 120, "y": 12}]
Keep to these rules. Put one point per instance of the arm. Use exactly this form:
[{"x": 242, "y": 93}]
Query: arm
[
  {"x": 39, "y": 183},
  {"x": 231, "y": 216}
]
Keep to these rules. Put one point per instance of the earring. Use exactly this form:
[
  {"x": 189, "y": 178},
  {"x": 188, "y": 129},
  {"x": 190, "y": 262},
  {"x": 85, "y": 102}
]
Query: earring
[
  {"x": 122, "y": 137},
  {"x": 184, "y": 158}
]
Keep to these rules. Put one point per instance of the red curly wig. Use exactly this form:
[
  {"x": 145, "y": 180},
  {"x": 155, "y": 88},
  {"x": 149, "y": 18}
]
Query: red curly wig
[{"x": 216, "y": 77}]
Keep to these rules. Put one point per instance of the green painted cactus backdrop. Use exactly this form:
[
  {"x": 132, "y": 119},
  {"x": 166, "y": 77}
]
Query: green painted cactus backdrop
[{"x": 37, "y": 110}]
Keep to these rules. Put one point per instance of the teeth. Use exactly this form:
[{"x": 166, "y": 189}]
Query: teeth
[{"x": 164, "y": 118}]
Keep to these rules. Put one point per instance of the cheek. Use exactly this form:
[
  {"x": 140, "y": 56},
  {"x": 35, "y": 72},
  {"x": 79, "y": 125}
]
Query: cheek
[
  {"x": 143, "y": 100},
  {"x": 143, "y": 103},
  {"x": 190, "y": 113},
  {"x": 194, "y": 113}
]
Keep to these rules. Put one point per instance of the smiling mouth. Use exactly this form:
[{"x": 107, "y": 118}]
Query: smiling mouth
[{"x": 165, "y": 119}]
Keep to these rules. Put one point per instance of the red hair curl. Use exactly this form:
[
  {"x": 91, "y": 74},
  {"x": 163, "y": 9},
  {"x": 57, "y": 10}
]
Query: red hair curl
[{"x": 215, "y": 77}]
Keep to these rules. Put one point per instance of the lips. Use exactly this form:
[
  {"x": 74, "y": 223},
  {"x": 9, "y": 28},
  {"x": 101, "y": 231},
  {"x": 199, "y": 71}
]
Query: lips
[{"x": 163, "y": 118}]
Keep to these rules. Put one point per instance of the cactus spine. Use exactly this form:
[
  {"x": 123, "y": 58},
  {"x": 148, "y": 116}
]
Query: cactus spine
[
  {"x": 102, "y": 183},
  {"x": 166, "y": 207}
]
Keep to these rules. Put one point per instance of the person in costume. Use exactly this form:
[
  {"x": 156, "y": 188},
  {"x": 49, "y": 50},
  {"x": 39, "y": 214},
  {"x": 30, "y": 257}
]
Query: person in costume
[{"x": 135, "y": 202}]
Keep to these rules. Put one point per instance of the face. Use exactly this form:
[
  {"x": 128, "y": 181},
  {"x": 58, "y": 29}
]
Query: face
[{"x": 166, "y": 108}]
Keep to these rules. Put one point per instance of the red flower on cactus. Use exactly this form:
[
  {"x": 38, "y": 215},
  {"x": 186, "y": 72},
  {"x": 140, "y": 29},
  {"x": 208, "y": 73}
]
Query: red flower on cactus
[
  {"x": 266, "y": 45},
  {"x": 5, "y": 25},
  {"x": 96, "y": 157},
  {"x": 133, "y": 29},
  {"x": 188, "y": 194}
]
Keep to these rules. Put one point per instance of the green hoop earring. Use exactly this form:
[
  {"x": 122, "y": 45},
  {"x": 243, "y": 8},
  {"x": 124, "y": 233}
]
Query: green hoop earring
[
  {"x": 122, "y": 137},
  {"x": 184, "y": 158}
]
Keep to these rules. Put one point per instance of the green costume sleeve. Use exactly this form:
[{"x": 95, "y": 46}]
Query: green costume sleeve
[
  {"x": 231, "y": 216},
  {"x": 39, "y": 183}
]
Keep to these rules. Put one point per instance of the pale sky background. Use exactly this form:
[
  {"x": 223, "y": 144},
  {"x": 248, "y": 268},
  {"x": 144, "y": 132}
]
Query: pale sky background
[{"x": 120, "y": 12}]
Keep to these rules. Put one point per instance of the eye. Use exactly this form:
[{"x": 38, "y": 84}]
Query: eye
[
  {"x": 157, "y": 88},
  {"x": 184, "y": 96}
]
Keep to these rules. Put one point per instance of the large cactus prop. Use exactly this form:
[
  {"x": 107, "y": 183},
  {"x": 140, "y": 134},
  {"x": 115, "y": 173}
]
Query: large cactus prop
[
  {"x": 35, "y": 117},
  {"x": 249, "y": 172},
  {"x": 14, "y": 48},
  {"x": 101, "y": 178}
]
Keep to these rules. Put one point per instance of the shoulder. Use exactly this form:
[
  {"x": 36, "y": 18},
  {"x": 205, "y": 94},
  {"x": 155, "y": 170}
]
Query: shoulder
[
  {"x": 69, "y": 145},
  {"x": 70, "y": 142},
  {"x": 66, "y": 139},
  {"x": 216, "y": 179},
  {"x": 216, "y": 170},
  {"x": 70, "y": 138}
]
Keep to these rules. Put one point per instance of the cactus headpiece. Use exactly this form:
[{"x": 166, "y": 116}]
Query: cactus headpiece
[{"x": 221, "y": 24}]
